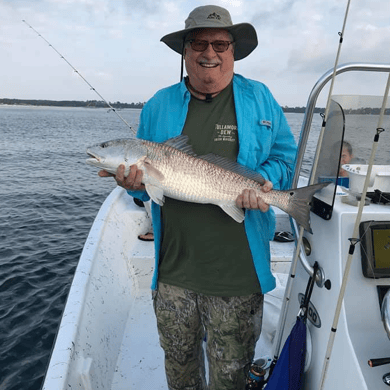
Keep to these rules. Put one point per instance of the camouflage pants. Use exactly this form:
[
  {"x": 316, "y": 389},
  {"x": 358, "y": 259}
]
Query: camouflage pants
[{"x": 231, "y": 325}]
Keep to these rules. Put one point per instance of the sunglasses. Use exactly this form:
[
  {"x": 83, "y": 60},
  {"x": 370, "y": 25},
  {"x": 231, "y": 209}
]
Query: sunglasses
[{"x": 218, "y": 46}]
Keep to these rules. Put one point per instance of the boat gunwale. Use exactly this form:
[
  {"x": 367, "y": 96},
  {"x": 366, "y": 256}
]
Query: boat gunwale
[{"x": 64, "y": 345}]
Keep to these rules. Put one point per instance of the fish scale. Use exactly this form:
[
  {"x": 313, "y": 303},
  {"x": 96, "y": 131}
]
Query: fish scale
[{"x": 172, "y": 169}]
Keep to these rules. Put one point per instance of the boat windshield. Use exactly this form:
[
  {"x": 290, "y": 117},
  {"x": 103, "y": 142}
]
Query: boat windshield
[
  {"x": 346, "y": 147},
  {"x": 362, "y": 115}
]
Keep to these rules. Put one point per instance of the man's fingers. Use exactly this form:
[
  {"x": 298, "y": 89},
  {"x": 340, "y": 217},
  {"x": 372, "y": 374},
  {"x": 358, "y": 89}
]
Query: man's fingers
[
  {"x": 268, "y": 185},
  {"x": 239, "y": 201},
  {"x": 246, "y": 199},
  {"x": 249, "y": 200},
  {"x": 252, "y": 199},
  {"x": 105, "y": 174},
  {"x": 264, "y": 207},
  {"x": 138, "y": 179},
  {"x": 133, "y": 181},
  {"x": 120, "y": 174}
]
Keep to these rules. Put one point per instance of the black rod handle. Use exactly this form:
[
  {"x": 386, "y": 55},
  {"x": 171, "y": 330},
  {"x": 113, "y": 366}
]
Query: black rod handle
[{"x": 378, "y": 362}]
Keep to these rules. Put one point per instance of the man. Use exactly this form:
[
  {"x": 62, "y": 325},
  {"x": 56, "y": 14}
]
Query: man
[{"x": 211, "y": 272}]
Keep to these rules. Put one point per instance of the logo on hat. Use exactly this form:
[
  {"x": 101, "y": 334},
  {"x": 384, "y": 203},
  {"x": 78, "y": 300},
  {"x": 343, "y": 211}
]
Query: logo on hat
[{"x": 214, "y": 16}]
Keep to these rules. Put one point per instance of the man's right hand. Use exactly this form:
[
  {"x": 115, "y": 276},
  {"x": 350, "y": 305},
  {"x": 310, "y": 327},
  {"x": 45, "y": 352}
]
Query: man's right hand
[{"x": 132, "y": 182}]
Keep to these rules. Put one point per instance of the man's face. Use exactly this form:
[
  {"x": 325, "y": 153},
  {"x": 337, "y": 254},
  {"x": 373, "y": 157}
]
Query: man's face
[{"x": 210, "y": 71}]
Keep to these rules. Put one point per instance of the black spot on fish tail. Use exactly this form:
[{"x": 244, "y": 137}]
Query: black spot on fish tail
[{"x": 299, "y": 204}]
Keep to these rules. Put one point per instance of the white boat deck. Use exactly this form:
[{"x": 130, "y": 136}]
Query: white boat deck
[
  {"x": 108, "y": 337},
  {"x": 140, "y": 363}
]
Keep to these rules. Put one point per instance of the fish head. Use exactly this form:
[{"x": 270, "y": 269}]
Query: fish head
[{"x": 110, "y": 154}]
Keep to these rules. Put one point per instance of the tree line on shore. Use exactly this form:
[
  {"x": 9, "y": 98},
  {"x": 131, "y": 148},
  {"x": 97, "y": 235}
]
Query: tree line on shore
[
  {"x": 139, "y": 105},
  {"x": 70, "y": 103},
  {"x": 102, "y": 104}
]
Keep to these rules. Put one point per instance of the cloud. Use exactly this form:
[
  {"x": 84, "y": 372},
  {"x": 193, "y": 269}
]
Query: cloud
[
  {"x": 232, "y": 3},
  {"x": 115, "y": 44},
  {"x": 273, "y": 14}
]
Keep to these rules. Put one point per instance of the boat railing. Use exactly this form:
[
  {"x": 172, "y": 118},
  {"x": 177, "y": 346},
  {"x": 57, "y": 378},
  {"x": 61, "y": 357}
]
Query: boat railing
[{"x": 305, "y": 131}]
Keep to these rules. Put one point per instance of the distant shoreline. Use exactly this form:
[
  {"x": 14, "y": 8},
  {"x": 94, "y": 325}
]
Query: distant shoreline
[
  {"x": 68, "y": 103},
  {"x": 101, "y": 104},
  {"x": 120, "y": 105}
]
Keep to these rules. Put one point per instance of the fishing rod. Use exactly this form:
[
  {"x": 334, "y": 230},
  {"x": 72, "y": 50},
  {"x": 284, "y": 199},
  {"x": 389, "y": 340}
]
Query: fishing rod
[
  {"x": 325, "y": 115},
  {"x": 83, "y": 78},
  {"x": 294, "y": 263},
  {"x": 355, "y": 239}
]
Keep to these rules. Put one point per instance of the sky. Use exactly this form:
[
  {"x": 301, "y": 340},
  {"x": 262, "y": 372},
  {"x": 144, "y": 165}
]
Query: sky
[{"x": 115, "y": 45}]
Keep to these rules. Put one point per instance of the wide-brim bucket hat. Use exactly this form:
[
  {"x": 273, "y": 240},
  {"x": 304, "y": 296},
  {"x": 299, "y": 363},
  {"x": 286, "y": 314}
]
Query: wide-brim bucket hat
[{"x": 212, "y": 16}]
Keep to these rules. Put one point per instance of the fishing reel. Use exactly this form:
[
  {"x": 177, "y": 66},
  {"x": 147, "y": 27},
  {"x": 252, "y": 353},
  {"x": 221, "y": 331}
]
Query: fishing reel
[{"x": 257, "y": 373}]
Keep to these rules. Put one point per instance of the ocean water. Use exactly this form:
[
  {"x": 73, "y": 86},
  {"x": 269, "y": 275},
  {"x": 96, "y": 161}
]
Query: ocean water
[{"x": 49, "y": 198}]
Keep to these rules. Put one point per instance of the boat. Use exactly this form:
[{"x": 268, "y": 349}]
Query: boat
[{"x": 108, "y": 339}]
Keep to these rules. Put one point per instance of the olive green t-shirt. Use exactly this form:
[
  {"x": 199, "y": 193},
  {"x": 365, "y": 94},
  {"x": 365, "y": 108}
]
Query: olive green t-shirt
[{"x": 203, "y": 249}]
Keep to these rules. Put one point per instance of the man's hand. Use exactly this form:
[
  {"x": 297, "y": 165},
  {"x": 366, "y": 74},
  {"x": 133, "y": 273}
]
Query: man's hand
[
  {"x": 248, "y": 199},
  {"x": 130, "y": 182}
]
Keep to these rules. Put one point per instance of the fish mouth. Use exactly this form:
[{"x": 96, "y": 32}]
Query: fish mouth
[{"x": 93, "y": 159}]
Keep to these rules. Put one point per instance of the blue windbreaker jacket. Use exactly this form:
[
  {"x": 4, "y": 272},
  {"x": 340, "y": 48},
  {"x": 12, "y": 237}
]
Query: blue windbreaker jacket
[{"x": 266, "y": 145}]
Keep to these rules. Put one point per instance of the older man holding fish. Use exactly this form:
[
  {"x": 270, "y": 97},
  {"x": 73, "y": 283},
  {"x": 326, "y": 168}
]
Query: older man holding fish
[{"x": 211, "y": 271}]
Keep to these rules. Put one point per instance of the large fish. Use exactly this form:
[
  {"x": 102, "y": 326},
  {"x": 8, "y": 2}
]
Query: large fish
[{"x": 172, "y": 169}]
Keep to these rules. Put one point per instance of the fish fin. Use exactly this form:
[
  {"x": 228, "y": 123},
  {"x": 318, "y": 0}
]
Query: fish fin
[
  {"x": 233, "y": 166},
  {"x": 152, "y": 171},
  {"x": 180, "y": 143},
  {"x": 235, "y": 212},
  {"x": 155, "y": 193},
  {"x": 299, "y": 204}
]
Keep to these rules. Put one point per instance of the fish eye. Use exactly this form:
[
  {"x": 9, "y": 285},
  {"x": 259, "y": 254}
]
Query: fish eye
[{"x": 103, "y": 145}]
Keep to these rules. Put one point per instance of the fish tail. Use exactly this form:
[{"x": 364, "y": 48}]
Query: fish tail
[{"x": 299, "y": 204}]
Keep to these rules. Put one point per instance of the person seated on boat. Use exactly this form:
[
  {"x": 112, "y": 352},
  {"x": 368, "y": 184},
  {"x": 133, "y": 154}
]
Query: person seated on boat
[
  {"x": 346, "y": 157},
  {"x": 211, "y": 272}
]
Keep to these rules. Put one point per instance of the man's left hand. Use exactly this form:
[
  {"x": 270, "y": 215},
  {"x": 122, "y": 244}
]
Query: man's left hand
[{"x": 249, "y": 200}]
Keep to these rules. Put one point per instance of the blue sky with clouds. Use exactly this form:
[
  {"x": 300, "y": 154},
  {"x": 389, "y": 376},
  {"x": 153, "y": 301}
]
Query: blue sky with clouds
[{"x": 116, "y": 45}]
